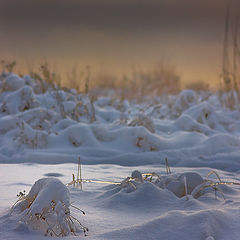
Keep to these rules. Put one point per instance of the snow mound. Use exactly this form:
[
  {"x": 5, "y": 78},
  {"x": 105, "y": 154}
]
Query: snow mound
[
  {"x": 205, "y": 224},
  {"x": 150, "y": 190},
  {"x": 179, "y": 184},
  {"x": 46, "y": 208},
  {"x": 13, "y": 82}
]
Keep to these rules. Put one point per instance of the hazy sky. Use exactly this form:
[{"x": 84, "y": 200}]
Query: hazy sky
[{"x": 115, "y": 34}]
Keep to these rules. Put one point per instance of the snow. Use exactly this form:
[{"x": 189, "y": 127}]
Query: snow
[
  {"x": 112, "y": 212},
  {"x": 46, "y": 190},
  {"x": 43, "y": 133}
]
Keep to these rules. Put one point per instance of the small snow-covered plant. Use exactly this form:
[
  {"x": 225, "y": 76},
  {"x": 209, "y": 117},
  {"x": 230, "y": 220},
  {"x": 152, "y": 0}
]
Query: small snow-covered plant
[
  {"x": 145, "y": 144},
  {"x": 191, "y": 183},
  {"x": 132, "y": 182},
  {"x": 208, "y": 183},
  {"x": 21, "y": 195},
  {"x": 179, "y": 184},
  {"x": 143, "y": 120},
  {"x": 137, "y": 178},
  {"x": 46, "y": 209},
  {"x": 19, "y": 101},
  {"x": 84, "y": 109},
  {"x": 184, "y": 100},
  {"x": 45, "y": 78},
  {"x": 31, "y": 137},
  {"x": 151, "y": 177}
]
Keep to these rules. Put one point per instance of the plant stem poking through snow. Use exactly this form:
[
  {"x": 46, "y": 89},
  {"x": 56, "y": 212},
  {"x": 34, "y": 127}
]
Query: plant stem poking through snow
[
  {"x": 79, "y": 173},
  {"x": 214, "y": 172},
  {"x": 198, "y": 191},
  {"x": 180, "y": 184},
  {"x": 78, "y": 209},
  {"x": 168, "y": 170},
  {"x": 185, "y": 187}
]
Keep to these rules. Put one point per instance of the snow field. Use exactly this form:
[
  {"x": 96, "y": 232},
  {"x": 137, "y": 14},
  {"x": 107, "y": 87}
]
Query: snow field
[{"x": 116, "y": 212}]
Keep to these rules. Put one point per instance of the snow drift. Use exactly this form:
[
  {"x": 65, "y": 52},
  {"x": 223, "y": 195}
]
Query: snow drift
[
  {"x": 190, "y": 129},
  {"x": 46, "y": 209}
]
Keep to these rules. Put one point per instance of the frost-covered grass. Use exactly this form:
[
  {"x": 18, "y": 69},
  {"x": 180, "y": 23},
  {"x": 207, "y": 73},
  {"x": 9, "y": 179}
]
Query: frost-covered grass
[{"x": 197, "y": 133}]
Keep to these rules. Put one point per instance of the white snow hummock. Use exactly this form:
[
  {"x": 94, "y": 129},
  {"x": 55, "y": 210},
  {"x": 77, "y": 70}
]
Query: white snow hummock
[{"x": 46, "y": 208}]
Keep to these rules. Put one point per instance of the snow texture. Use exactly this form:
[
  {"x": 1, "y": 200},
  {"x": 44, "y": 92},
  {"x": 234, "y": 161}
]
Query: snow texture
[{"x": 43, "y": 131}]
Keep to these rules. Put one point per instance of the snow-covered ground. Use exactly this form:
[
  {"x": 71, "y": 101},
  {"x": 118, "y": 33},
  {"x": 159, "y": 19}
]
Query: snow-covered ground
[{"x": 44, "y": 130}]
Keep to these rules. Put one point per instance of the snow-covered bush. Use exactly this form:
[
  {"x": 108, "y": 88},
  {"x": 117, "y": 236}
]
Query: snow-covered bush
[
  {"x": 80, "y": 135},
  {"x": 31, "y": 137},
  {"x": 19, "y": 101},
  {"x": 46, "y": 209},
  {"x": 184, "y": 184},
  {"x": 131, "y": 183},
  {"x": 85, "y": 109},
  {"x": 180, "y": 184},
  {"x": 40, "y": 118},
  {"x": 184, "y": 100},
  {"x": 161, "y": 123},
  {"x": 13, "y": 82},
  {"x": 143, "y": 120}
]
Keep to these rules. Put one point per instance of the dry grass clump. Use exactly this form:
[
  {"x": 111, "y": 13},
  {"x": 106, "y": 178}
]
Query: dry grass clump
[
  {"x": 208, "y": 183},
  {"x": 8, "y": 66},
  {"x": 198, "y": 86},
  {"x": 46, "y": 77},
  {"x": 160, "y": 79}
]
